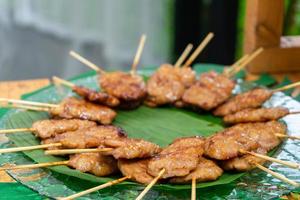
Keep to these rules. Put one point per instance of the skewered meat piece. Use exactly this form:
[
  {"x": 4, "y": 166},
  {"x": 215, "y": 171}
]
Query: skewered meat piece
[
  {"x": 89, "y": 137},
  {"x": 186, "y": 75},
  {"x": 94, "y": 163},
  {"x": 256, "y": 115},
  {"x": 178, "y": 159},
  {"x": 129, "y": 148},
  {"x": 209, "y": 91},
  {"x": 96, "y": 97},
  {"x": 263, "y": 133},
  {"x": 136, "y": 169},
  {"x": 51, "y": 127},
  {"x": 251, "y": 99},
  {"x": 71, "y": 108},
  {"x": 129, "y": 89},
  {"x": 228, "y": 143},
  {"x": 243, "y": 163},
  {"x": 207, "y": 170},
  {"x": 164, "y": 87}
]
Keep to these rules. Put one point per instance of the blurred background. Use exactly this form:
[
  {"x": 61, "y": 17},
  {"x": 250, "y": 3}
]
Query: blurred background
[{"x": 36, "y": 35}]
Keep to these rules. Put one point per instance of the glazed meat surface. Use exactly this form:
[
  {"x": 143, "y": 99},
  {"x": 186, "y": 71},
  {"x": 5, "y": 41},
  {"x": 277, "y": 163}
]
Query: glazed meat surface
[
  {"x": 124, "y": 86},
  {"x": 51, "y": 127},
  {"x": 251, "y": 99},
  {"x": 178, "y": 159},
  {"x": 129, "y": 148},
  {"x": 136, "y": 169},
  {"x": 206, "y": 170},
  {"x": 244, "y": 162},
  {"x": 72, "y": 108},
  {"x": 96, "y": 97},
  {"x": 209, "y": 91},
  {"x": 93, "y": 163},
  {"x": 228, "y": 143},
  {"x": 89, "y": 137},
  {"x": 256, "y": 115},
  {"x": 164, "y": 87},
  {"x": 186, "y": 75}
]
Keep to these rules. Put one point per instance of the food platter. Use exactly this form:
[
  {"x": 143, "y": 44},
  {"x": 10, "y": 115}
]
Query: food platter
[{"x": 160, "y": 125}]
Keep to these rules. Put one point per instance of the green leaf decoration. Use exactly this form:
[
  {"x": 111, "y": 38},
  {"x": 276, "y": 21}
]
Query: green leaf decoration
[
  {"x": 265, "y": 80},
  {"x": 284, "y": 82}
]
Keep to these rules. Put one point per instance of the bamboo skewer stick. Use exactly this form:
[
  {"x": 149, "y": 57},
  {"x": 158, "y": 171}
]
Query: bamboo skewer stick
[
  {"x": 288, "y": 136},
  {"x": 138, "y": 54},
  {"x": 199, "y": 49},
  {"x": 294, "y": 112},
  {"x": 246, "y": 61},
  {"x": 150, "y": 185},
  {"x": 73, "y": 151},
  {"x": 282, "y": 162},
  {"x": 94, "y": 189},
  {"x": 16, "y": 130},
  {"x": 86, "y": 62},
  {"x": 235, "y": 65},
  {"x": 63, "y": 82},
  {"x": 193, "y": 194},
  {"x": 277, "y": 175},
  {"x": 34, "y": 166},
  {"x": 34, "y": 108},
  {"x": 184, "y": 55},
  {"x": 29, "y": 148},
  {"x": 286, "y": 87},
  {"x": 30, "y": 103}
]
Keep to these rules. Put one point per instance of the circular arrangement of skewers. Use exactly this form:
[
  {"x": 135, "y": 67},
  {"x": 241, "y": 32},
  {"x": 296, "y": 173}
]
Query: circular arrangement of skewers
[{"x": 82, "y": 127}]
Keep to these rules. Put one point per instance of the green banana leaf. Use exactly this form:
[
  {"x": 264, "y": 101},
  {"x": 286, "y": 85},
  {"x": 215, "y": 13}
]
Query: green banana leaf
[{"x": 159, "y": 125}]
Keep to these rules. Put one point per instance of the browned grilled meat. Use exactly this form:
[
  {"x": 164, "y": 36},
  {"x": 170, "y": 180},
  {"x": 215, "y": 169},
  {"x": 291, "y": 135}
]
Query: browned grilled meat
[
  {"x": 129, "y": 148},
  {"x": 209, "y": 91},
  {"x": 206, "y": 170},
  {"x": 136, "y": 169},
  {"x": 251, "y": 99},
  {"x": 178, "y": 159},
  {"x": 93, "y": 163},
  {"x": 129, "y": 89},
  {"x": 250, "y": 136},
  {"x": 164, "y": 87},
  {"x": 51, "y": 127},
  {"x": 72, "y": 108},
  {"x": 256, "y": 115},
  {"x": 96, "y": 97},
  {"x": 186, "y": 75},
  {"x": 244, "y": 162},
  {"x": 228, "y": 143},
  {"x": 89, "y": 137}
]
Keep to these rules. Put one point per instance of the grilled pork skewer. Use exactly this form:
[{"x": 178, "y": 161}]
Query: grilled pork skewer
[
  {"x": 89, "y": 94},
  {"x": 251, "y": 99},
  {"x": 257, "y": 115},
  {"x": 129, "y": 88},
  {"x": 212, "y": 89},
  {"x": 167, "y": 84},
  {"x": 72, "y": 108}
]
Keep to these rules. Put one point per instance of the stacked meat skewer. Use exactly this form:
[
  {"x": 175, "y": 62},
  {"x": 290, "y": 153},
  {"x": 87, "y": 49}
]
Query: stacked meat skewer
[{"x": 83, "y": 127}]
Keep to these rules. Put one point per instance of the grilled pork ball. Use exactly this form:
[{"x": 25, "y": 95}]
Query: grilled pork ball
[
  {"x": 178, "y": 159},
  {"x": 129, "y": 148},
  {"x": 89, "y": 137},
  {"x": 96, "y": 97},
  {"x": 256, "y": 115},
  {"x": 136, "y": 169},
  {"x": 206, "y": 170},
  {"x": 50, "y": 127},
  {"x": 94, "y": 163},
  {"x": 209, "y": 91},
  {"x": 129, "y": 89},
  {"x": 243, "y": 163},
  {"x": 251, "y": 99},
  {"x": 72, "y": 108}
]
